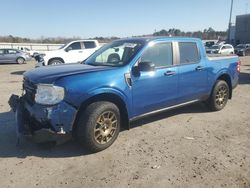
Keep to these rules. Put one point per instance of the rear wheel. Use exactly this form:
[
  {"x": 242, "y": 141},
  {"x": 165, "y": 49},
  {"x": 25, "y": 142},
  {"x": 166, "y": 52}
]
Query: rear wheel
[
  {"x": 219, "y": 96},
  {"x": 98, "y": 126},
  {"x": 20, "y": 60}
]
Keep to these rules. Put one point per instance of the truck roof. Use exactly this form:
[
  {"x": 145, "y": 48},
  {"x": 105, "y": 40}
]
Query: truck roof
[{"x": 148, "y": 39}]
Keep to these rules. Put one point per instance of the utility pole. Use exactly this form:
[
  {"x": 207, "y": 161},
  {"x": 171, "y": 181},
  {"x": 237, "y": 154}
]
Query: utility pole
[{"x": 230, "y": 22}]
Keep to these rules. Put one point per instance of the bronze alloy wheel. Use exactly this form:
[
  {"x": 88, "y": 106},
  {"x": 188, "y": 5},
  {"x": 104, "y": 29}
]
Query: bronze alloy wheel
[
  {"x": 105, "y": 128},
  {"x": 221, "y": 95}
]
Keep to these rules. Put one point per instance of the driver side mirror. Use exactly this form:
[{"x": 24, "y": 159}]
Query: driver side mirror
[
  {"x": 68, "y": 49},
  {"x": 146, "y": 66}
]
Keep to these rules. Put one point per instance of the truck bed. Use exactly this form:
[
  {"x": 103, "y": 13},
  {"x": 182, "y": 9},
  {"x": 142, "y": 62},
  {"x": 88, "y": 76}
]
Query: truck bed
[{"x": 216, "y": 57}]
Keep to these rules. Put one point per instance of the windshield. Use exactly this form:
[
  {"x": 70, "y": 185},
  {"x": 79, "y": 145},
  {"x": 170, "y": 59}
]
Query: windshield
[
  {"x": 117, "y": 53},
  {"x": 215, "y": 47},
  {"x": 240, "y": 46},
  {"x": 62, "y": 46}
]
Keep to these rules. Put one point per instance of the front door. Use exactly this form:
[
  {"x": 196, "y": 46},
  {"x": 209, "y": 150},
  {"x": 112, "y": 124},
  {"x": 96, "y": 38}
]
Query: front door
[
  {"x": 74, "y": 53},
  {"x": 2, "y": 56},
  {"x": 156, "y": 89}
]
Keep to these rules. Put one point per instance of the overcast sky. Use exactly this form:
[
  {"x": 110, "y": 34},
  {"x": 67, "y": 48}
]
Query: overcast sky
[{"x": 122, "y": 18}]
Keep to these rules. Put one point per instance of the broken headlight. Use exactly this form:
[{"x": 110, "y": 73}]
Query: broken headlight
[{"x": 49, "y": 94}]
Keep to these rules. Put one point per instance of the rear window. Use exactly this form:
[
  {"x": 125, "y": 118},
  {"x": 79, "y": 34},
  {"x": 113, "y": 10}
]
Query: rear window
[
  {"x": 89, "y": 44},
  {"x": 188, "y": 52},
  {"x": 228, "y": 47},
  {"x": 11, "y": 51}
]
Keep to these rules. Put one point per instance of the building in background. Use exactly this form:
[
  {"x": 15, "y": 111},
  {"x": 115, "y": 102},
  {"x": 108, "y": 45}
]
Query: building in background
[
  {"x": 232, "y": 35},
  {"x": 242, "y": 29}
]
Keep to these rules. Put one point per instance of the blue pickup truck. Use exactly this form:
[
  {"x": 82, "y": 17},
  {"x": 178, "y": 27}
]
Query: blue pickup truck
[{"x": 121, "y": 82}]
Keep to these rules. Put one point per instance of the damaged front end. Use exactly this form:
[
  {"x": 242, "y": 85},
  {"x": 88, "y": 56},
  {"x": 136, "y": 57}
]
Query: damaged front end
[{"x": 44, "y": 123}]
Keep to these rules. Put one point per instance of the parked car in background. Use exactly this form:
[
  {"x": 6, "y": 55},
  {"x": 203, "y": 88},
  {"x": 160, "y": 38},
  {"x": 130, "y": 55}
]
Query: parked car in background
[
  {"x": 73, "y": 52},
  {"x": 209, "y": 43},
  {"x": 242, "y": 49},
  {"x": 32, "y": 53},
  {"x": 224, "y": 49},
  {"x": 121, "y": 82},
  {"x": 13, "y": 56}
]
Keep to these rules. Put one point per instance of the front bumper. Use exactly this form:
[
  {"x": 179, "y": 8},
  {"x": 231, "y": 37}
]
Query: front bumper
[{"x": 43, "y": 123}]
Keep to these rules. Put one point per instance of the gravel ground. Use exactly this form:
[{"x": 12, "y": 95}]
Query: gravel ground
[{"x": 187, "y": 147}]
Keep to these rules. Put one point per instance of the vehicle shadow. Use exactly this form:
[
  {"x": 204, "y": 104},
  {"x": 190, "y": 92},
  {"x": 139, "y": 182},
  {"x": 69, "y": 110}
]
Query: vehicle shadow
[
  {"x": 244, "y": 78},
  {"x": 71, "y": 148},
  {"x": 18, "y": 72},
  {"x": 193, "y": 108},
  {"x": 9, "y": 147}
]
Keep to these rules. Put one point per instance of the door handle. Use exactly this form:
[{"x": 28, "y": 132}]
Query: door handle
[
  {"x": 80, "y": 52},
  {"x": 199, "y": 68},
  {"x": 169, "y": 73}
]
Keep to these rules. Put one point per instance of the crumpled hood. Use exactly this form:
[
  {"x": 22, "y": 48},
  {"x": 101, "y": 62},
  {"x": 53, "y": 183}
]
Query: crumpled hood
[{"x": 49, "y": 74}]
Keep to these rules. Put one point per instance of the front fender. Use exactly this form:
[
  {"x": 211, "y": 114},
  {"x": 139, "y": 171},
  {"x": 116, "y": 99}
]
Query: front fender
[{"x": 123, "y": 95}]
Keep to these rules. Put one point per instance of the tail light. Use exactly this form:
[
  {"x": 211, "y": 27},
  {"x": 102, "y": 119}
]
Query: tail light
[{"x": 238, "y": 66}]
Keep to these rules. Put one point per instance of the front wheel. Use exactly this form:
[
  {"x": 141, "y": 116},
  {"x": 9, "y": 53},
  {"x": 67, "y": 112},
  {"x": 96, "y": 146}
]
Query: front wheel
[
  {"x": 56, "y": 62},
  {"x": 98, "y": 126},
  {"x": 20, "y": 60},
  {"x": 219, "y": 96}
]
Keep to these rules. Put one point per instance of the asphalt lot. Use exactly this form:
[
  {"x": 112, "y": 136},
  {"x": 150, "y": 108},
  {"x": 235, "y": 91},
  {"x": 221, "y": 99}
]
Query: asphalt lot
[{"x": 187, "y": 147}]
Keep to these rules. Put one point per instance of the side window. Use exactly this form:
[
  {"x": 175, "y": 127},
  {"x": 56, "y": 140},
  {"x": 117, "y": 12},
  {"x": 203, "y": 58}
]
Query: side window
[
  {"x": 160, "y": 54},
  {"x": 188, "y": 52},
  {"x": 75, "y": 46},
  {"x": 11, "y": 51},
  {"x": 89, "y": 44},
  {"x": 1, "y": 52}
]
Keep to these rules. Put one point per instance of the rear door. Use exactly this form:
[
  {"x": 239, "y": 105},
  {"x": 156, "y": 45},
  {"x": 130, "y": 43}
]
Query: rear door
[
  {"x": 89, "y": 48},
  {"x": 192, "y": 72},
  {"x": 156, "y": 89},
  {"x": 10, "y": 55}
]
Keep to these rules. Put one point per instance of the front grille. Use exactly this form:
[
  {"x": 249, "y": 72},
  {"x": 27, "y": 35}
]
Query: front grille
[{"x": 30, "y": 91}]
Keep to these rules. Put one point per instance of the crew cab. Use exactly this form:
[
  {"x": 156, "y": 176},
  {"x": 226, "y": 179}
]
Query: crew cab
[
  {"x": 121, "y": 82},
  {"x": 73, "y": 52}
]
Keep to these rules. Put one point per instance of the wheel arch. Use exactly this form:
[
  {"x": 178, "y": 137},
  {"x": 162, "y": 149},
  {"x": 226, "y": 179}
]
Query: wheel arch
[
  {"x": 110, "y": 97},
  {"x": 53, "y": 58},
  {"x": 21, "y": 58},
  {"x": 226, "y": 77}
]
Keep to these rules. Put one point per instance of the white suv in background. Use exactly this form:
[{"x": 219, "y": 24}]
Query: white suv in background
[
  {"x": 224, "y": 49},
  {"x": 73, "y": 52}
]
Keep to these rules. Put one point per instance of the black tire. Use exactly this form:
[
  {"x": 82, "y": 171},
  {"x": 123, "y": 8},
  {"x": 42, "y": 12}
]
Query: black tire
[
  {"x": 219, "y": 96},
  {"x": 20, "y": 60},
  {"x": 92, "y": 134},
  {"x": 55, "y": 62}
]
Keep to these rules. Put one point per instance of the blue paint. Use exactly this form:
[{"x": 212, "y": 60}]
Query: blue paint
[{"x": 149, "y": 91}]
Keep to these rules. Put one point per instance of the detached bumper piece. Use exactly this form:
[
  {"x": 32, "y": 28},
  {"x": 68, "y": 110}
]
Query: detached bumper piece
[
  {"x": 40, "y": 61},
  {"x": 43, "y": 123}
]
